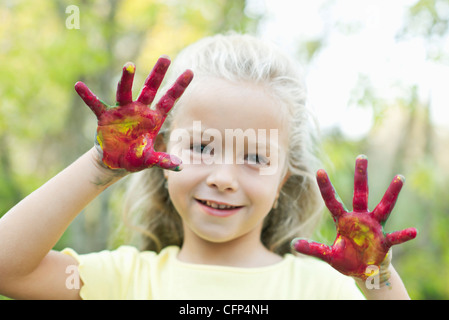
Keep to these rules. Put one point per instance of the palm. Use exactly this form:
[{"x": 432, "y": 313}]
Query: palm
[
  {"x": 126, "y": 132},
  {"x": 361, "y": 241}
]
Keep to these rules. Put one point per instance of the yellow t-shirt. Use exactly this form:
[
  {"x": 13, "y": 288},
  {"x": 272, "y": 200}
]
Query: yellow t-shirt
[{"x": 127, "y": 273}]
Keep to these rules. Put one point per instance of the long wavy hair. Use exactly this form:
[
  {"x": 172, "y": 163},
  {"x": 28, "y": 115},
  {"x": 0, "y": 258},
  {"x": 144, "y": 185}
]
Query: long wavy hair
[{"x": 237, "y": 57}]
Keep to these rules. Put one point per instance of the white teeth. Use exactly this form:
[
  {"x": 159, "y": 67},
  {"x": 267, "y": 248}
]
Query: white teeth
[{"x": 216, "y": 205}]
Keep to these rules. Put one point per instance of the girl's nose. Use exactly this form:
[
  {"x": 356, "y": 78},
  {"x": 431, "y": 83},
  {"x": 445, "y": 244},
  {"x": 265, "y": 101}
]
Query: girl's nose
[{"x": 223, "y": 177}]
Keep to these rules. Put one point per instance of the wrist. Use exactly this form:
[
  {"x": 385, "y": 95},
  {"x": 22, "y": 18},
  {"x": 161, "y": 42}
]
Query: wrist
[
  {"x": 378, "y": 276},
  {"x": 103, "y": 175},
  {"x": 390, "y": 288}
]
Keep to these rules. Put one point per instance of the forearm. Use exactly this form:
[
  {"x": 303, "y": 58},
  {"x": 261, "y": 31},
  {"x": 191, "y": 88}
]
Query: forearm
[
  {"x": 391, "y": 289},
  {"x": 31, "y": 228}
]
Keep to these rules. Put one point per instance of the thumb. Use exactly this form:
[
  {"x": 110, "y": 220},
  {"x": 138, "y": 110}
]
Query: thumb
[
  {"x": 164, "y": 161},
  {"x": 310, "y": 248}
]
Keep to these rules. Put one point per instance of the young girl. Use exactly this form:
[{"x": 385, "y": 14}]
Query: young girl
[{"x": 226, "y": 181}]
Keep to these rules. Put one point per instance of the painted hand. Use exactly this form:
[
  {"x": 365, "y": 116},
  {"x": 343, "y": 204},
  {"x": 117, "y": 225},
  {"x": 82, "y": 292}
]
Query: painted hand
[
  {"x": 126, "y": 132},
  {"x": 361, "y": 242}
]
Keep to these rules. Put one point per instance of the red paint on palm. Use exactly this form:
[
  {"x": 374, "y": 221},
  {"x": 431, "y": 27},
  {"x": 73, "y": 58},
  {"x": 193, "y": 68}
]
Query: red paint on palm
[
  {"x": 126, "y": 132},
  {"x": 361, "y": 241}
]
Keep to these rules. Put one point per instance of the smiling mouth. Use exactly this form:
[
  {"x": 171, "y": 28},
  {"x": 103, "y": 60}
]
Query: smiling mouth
[{"x": 217, "y": 205}]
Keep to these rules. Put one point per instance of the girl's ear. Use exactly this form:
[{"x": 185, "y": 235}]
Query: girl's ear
[{"x": 284, "y": 180}]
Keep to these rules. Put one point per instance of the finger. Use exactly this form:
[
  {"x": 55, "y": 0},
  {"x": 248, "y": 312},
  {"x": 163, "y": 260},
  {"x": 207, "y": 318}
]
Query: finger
[
  {"x": 402, "y": 236},
  {"x": 310, "y": 248},
  {"x": 154, "y": 80},
  {"x": 386, "y": 205},
  {"x": 360, "y": 200},
  {"x": 164, "y": 160},
  {"x": 124, "y": 87},
  {"x": 91, "y": 100},
  {"x": 330, "y": 196},
  {"x": 174, "y": 93}
]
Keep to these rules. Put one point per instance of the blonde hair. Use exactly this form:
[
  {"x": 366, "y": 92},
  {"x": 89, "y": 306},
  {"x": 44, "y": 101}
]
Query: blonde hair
[{"x": 238, "y": 57}]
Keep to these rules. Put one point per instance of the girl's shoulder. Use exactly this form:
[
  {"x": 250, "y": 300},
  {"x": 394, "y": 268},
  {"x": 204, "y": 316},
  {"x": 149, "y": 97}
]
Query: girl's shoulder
[
  {"x": 124, "y": 254},
  {"x": 111, "y": 274}
]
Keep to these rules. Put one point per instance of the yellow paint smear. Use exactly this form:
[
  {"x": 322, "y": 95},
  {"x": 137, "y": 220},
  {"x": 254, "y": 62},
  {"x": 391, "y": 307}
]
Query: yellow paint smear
[
  {"x": 139, "y": 149},
  {"x": 130, "y": 68},
  {"x": 361, "y": 235},
  {"x": 100, "y": 139},
  {"x": 126, "y": 127}
]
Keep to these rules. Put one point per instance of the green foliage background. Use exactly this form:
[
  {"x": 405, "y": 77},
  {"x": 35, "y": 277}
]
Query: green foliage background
[{"x": 44, "y": 126}]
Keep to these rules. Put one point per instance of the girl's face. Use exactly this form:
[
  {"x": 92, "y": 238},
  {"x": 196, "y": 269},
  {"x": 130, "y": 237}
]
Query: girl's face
[{"x": 233, "y": 142}]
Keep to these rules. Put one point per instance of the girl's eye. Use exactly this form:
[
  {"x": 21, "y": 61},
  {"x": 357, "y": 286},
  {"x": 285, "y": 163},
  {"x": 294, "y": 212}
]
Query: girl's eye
[
  {"x": 257, "y": 160},
  {"x": 199, "y": 148}
]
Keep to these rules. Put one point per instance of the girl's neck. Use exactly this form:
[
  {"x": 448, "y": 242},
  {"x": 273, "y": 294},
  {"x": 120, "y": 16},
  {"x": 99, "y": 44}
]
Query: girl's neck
[{"x": 239, "y": 252}]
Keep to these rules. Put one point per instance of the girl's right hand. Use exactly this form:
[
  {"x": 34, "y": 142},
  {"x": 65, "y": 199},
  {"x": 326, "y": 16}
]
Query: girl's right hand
[{"x": 126, "y": 132}]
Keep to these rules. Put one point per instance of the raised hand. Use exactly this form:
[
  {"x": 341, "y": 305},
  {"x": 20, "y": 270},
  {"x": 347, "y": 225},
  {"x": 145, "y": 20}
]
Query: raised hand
[
  {"x": 126, "y": 132},
  {"x": 361, "y": 241}
]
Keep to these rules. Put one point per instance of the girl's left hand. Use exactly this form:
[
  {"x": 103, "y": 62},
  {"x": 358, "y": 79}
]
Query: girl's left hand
[{"x": 361, "y": 242}]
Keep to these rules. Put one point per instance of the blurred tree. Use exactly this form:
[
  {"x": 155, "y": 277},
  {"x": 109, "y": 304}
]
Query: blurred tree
[
  {"x": 44, "y": 125},
  {"x": 429, "y": 20}
]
